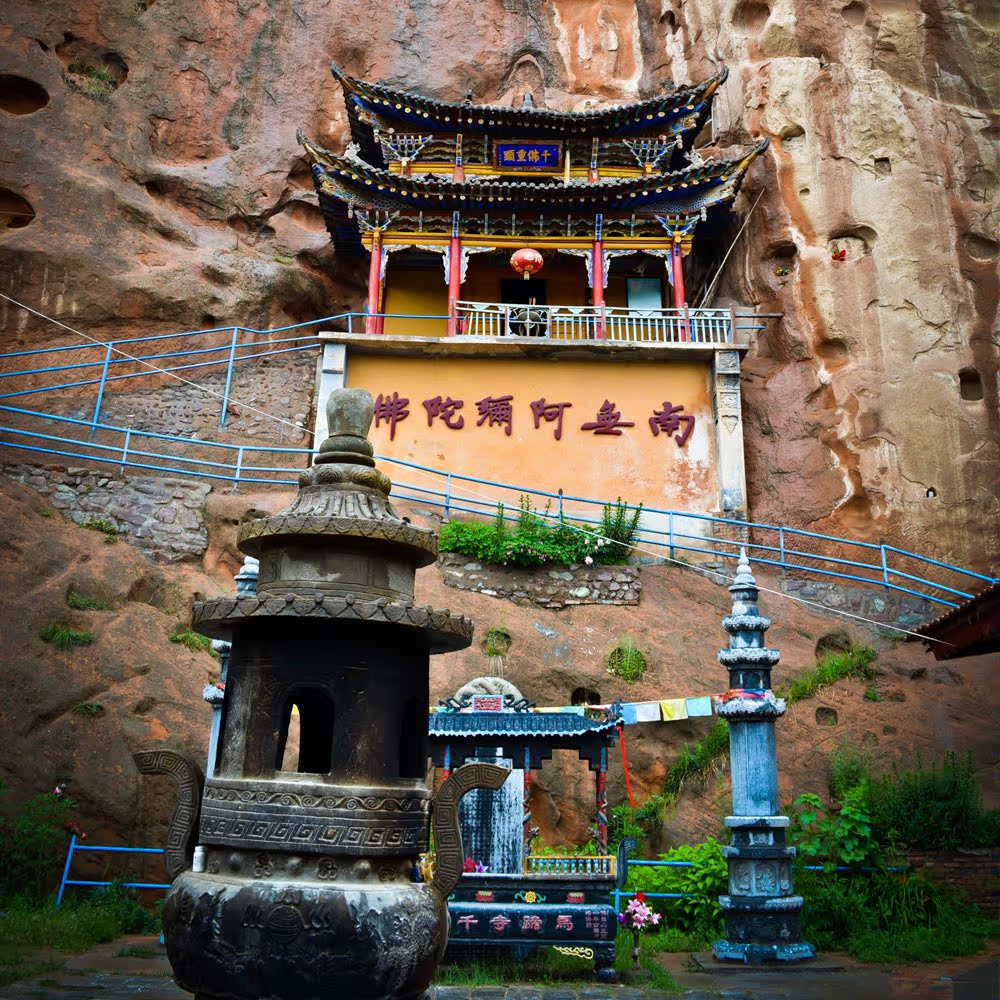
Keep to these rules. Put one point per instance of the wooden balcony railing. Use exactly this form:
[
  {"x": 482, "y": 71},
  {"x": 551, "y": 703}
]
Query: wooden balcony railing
[
  {"x": 566, "y": 864},
  {"x": 609, "y": 323}
]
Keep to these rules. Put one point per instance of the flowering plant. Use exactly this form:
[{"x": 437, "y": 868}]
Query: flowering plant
[{"x": 638, "y": 916}]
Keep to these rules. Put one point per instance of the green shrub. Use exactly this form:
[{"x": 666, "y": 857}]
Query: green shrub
[
  {"x": 193, "y": 640},
  {"x": 32, "y": 844},
  {"x": 619, "y": 525},
  {"x": 933, "y": 807},
  {"x": 91, "y": 708},
  {"x": 831, "y": 839},
  {"x": 849, "y": 768},
  {"x": 855, "y": 662},
  {"x": 81, "y": 603},
  {"x": 626, "y": 661},
  {"x": 871, "y": 694},
  {"x": 701, "y": 884},
  {"x": 65, "y": 636},
  {"x": 538, "y": 539}
]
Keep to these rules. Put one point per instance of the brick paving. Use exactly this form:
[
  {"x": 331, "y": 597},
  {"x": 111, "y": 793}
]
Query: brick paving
[{"x": 137, "y": 968}]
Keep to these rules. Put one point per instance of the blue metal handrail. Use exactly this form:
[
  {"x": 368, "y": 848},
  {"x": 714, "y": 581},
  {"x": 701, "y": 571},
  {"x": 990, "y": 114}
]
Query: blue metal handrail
[
  {"x": 74, "y": 848},
  {"x": 231, "y": 465}
]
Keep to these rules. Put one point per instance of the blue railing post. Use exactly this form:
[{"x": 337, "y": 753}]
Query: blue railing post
[
  {"x": 560, "y": 507},
  {"x": 229, "y": 377},
  {"x": 447, "y": 495},
  {"x": 100, "y": 392},
  {"x": 238, "y": 469},
  {"x": 125, "y": 444},
  {"x": 781, "y": 548},
  {"x": 65, "y": 874},
  {"x": 885, "y": 568},
  {"x": 670, "y": 530}
]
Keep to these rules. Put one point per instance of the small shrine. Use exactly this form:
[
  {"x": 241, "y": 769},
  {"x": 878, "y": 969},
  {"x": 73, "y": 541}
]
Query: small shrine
[
  {"x": 509, "y": 897},
  {"x": 540, "y": 289}
]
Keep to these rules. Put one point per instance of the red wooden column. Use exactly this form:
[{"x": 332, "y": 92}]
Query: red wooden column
[
  {"x": 602, "y": 803},
  {"x": 374, "y": 284},
  {"x": 597, "y": 278},
  {"x": 454, "y": 276},
  {"x": 680, "y": 301}
]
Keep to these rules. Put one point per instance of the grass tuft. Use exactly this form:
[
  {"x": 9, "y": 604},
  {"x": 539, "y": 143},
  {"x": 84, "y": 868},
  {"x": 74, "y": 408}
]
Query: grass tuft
[
  {"x": 81, "y": 603},
  {"x": 193, "y": 640},
  {"x": 858, "y": 662},
  {"x": 65, "y": 636}
]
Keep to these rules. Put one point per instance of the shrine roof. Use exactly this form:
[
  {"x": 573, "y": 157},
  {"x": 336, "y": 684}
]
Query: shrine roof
[
  {"x": 347, "y": 179},
  {"x": 970, "y": 629},
  {"x": 474, "y": 725},
  {"x": 415, "y": 112}
]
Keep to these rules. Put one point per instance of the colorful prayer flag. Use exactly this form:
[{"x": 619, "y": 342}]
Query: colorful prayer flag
[
  {"x": 674, "y": 709},
  {"x": 698, "y": 707}
]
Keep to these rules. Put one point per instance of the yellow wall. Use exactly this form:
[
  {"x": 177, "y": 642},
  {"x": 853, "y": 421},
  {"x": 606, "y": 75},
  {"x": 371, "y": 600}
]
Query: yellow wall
[
  {"x": 422, "y": 291},
  {"x": 566, "y": 279},
  {"x": 636, "y": 466}
]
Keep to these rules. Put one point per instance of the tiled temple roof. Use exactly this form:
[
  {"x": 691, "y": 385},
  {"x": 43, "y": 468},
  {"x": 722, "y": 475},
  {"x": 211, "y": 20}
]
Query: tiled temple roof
[
  {"x": 545, "y": 725},
  {"x": 346, "y": 179},
  {"x": 414, "y": 112}
]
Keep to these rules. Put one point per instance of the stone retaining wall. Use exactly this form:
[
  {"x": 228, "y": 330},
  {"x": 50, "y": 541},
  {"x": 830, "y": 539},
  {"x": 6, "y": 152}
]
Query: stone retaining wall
[
  {"x": 554, "y": 588},
  {"x": 879, "y": 605},
  {"x": 163, "y": 516}
]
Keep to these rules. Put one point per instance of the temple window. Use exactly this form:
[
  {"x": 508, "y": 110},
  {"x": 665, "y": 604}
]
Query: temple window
[{"x": 306, "y": 718}]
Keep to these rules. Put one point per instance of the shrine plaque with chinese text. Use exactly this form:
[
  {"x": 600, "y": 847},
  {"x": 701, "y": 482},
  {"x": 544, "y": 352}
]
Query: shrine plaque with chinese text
[{"x": 516, "y": 155}]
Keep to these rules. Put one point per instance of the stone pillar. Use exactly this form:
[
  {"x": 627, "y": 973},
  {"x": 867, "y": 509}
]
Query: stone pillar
[
  {"x": 214, "y": 694},
  {"x": 331, "y": 375},
  {"x": 729, "y": 433},
  {"x": 761, "y": 912}
]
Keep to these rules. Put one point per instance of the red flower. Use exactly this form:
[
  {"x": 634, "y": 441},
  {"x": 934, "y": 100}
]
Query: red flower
[{"x": 641, "y": 896}]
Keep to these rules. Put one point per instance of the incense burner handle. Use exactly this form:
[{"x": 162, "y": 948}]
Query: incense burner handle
[
  {"x": 447, "y": 833},
  {"x": 187, "y": 776}
]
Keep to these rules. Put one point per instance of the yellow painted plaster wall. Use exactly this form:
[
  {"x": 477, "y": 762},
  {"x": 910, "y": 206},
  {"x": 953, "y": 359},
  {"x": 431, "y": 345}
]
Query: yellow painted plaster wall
[
  {"x": 636, "y": 466},
  {"x": 566, "y": 279},
  {"x": 419, "y": 291}
]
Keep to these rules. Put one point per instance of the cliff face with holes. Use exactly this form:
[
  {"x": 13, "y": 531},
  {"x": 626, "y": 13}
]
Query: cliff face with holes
[{"x": 152, "y": 181}]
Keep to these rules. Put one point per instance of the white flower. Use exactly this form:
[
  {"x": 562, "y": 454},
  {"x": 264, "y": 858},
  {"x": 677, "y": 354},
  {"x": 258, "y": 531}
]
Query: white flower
[{"x": 589, "y": 561}]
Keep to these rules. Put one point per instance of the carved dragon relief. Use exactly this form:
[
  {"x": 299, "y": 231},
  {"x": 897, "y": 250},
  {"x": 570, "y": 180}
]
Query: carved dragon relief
[
  {"x": 447, "y": 833},
  {"x": 188, "y": 778}
]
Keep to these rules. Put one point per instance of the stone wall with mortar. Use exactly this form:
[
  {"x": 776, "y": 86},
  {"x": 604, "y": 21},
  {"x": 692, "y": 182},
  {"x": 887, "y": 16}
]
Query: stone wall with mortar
[
  {"x": 280, "y": 386},
  {"x": 887, "y": 606},
  {"x": 555, "y": 588},
  {"x": 162, "y": 516}
]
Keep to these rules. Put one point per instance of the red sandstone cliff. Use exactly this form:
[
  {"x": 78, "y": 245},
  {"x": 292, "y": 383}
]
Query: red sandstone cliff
[{"x": 168, "y": 192}]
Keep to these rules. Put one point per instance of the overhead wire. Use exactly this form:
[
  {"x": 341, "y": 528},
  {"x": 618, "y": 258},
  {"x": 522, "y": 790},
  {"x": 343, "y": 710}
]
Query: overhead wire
[{"x": 471, "y": 493}]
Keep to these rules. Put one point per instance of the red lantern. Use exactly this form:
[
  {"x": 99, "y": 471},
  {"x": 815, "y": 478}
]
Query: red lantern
[{"x": 527, "y": 262}]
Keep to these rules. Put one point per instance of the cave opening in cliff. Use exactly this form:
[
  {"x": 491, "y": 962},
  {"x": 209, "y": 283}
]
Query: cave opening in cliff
[
  {"x": 21, "y": 96},
  {"x": 970, "y": 384},
  {"x": 15, "y": 212}
]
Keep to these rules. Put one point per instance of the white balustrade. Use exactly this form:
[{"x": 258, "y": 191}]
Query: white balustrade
[{"x": 586, "y": 323}]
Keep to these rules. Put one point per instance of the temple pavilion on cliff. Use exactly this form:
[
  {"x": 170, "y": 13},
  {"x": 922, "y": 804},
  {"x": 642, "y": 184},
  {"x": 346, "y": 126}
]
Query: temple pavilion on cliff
[{"x": 529, "y": 317}]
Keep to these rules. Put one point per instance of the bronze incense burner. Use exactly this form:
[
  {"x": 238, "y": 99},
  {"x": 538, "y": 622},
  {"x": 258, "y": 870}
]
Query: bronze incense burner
[{"x": 298, "y": 879}]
